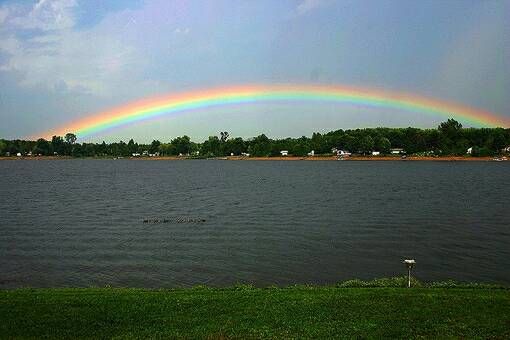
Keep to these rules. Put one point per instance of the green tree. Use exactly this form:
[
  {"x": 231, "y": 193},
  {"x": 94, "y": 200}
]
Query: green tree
[
  {"x": 3, "y": 147},
  {"x": 57, "y": 144},
  {"x": 224, "y": 136},
  {"x": 366, "y": 144},
  {"x": 383, "y": 145},
  {"x": 261, "y": 146},
  {"x": 450, "y": 128},
  {"x": 182, "y": 145},
  {"x": 211, "y": 147},
  {"x": 70, "y": 138},
  {"x": 154, "y": 146},
  {"x": 132, "y": 146},
  {"x": 42, "y": 147},
  {"x": 235, "y": 146}
]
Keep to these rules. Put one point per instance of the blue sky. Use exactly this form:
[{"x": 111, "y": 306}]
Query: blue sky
[{"x": 61, "y": 60}]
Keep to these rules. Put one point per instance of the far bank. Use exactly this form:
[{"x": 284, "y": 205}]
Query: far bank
[{"x": 277, "y": 158}]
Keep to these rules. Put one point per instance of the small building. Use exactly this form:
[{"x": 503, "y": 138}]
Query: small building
[
  {"x": 343, "y": 153},
  {"x": 245, "y": 154},
  {"x": 145, "y": 153},
  {"x": 376, "y": 153},
  {"x": 397, "y": 151},
  {"x": 284, "y": 153},
  {"x": 469, "y": 151},
  {"x": 311, "y": 153},
  {"x": 18, "y": 154},
  {"x": 135, "y": 154}
]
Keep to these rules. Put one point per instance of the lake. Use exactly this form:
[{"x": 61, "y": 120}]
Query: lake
[{"x": 181, "y": 223}]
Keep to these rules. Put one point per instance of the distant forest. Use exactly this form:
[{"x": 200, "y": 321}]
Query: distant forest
[{"x": 450, "y": 138}]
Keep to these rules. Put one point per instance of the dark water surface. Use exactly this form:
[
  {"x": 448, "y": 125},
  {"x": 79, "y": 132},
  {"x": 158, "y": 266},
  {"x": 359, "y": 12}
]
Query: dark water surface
[{"x": 81, "y": 222}]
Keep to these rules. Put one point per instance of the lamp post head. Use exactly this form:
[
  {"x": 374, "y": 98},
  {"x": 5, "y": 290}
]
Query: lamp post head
[{"x": 409, "y": 263}]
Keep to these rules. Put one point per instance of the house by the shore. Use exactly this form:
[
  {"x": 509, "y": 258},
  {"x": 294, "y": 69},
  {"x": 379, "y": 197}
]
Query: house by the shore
[
  {"x": 339, "y": 152},
  {"x": 397, "y": 151}
]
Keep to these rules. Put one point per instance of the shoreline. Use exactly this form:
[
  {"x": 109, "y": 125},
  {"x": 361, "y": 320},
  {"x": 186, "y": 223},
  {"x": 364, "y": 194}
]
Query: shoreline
[{"x": 276, "y": 158}]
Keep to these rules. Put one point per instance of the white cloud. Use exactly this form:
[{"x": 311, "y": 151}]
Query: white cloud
[
  {"x": 95, "y": 61},
  {"x": 48, "y": 15},
  {"x": 4, "y": 12},
  {"x": 180, "y": 30},
  {"x": 309, "y": 5},
  {"x": 41, "y": 48}
]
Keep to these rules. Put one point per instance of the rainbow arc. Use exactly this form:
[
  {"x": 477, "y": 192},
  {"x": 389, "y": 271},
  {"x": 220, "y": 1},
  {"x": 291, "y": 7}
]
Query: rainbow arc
[{"x": 178, "y": 103}]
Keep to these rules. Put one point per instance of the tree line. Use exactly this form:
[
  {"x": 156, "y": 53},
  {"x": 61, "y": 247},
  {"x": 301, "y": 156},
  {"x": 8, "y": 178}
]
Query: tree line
[{"x": 450, "y": 138}]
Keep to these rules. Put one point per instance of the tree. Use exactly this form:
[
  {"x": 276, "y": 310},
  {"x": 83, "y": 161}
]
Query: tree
[
  {"x": 132, "y": 146},
  {"x": 224, "y": 136},
  {"x": 383, "y": 145},
  {"x": 235, "y": 146},
  {"x": 450, "y": 128},
  {"x": 70, "y": 138},
  {"x": 211, "y": 146},
  {"x": 261, "y": 146},
  {"x": 181, "y": 145},
  {"x": 3, "y": 147},
  {"x": 154, "y": 146},
  {"x": 499, "y": 142},
  {"x": 42, "y": 146},
  {"x": 57, "y": 144},
  {"x": 366, "y": 144},
  {"x": 449, "y": 138}
]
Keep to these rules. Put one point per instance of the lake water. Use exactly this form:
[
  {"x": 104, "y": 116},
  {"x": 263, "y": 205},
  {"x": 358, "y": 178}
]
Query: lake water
[{"x": 85, "y": 222}]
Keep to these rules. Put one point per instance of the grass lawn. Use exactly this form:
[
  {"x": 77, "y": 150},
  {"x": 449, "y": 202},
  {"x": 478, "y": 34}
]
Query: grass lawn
[{"x": 244, "y": 312}]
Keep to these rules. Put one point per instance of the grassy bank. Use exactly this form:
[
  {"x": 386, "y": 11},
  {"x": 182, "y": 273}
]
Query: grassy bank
[{"x": 241, "y": 312}]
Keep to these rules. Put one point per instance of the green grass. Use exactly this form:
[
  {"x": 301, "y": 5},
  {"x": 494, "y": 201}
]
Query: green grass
[{"x": 451, "y": 311}]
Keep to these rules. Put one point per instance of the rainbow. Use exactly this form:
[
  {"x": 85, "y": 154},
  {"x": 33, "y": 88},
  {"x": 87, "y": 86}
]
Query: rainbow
[{"x": 178, "y": 103}]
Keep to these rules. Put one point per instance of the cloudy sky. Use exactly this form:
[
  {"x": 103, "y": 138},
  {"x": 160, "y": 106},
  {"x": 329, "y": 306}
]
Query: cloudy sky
[{"x": 62, "y": 60}]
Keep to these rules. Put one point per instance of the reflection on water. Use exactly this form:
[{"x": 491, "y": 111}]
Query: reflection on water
[{"x": 81, "y": 222}]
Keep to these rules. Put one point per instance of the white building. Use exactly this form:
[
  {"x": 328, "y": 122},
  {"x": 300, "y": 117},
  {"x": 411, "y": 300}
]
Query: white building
[
  {"x": 375, "y": 153},
  {"x": 284, "y": 153},
  {"x": 311, "y": 153},
  {"x": 469, "y": 151},
  {"x": 342, "y": 153},
  {"x": 245, "y": 154},
  {"x": 397, "y": 151}
]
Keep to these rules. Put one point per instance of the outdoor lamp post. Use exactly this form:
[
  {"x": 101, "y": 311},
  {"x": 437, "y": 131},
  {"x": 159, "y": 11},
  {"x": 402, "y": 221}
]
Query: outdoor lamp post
[{"x": 409, "y": 264}]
